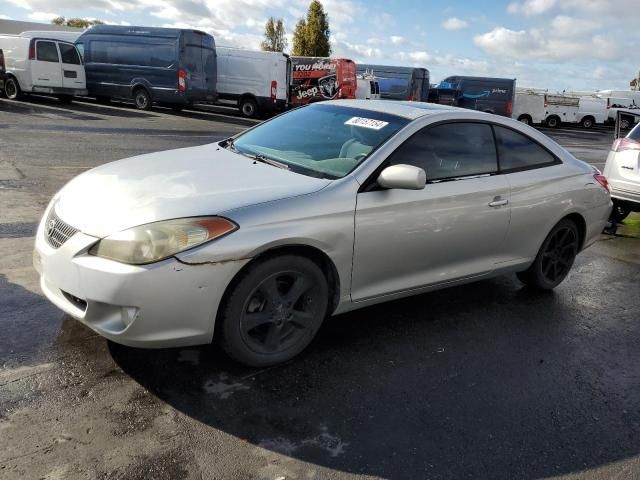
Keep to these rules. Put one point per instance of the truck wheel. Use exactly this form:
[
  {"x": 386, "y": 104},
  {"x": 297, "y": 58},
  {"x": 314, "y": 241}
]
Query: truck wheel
[
  {"x": 587, "y": 122},
  {"x": 625, "y": 123},
  {"x": 142, "y": 99},
  {"x": 526, "y": 119},
  {"x": 12, "y": 89},
  {"x": 248, "y": 107},
  {"x": 553, "y": 122}
]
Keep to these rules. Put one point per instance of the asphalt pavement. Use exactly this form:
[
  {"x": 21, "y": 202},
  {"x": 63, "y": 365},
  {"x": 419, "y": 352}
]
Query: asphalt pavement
[{"x": 486, "y": 380}]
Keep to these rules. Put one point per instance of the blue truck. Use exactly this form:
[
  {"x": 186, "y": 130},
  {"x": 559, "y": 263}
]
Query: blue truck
[{"x": 486, "y": 94}]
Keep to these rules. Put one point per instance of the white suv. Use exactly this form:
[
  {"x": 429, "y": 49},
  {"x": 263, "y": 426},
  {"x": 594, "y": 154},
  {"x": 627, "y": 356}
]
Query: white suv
[{"x": 622, "y": 170}]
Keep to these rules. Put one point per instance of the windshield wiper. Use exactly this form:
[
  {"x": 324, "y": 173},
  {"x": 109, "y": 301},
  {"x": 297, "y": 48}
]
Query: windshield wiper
[
  {"x": 267, "y": 160},
  {"x": 228, "y": 143}
]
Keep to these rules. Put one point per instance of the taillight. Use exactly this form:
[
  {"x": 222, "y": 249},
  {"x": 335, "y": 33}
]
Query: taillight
[
  {"x": 411, "y": 98},
  {"x": 509, "y": 107},
  {"x": 546, "y": 104},
  {"x": 622, "y": 144},
  {"x": 274, "y": 89},
  {"x": 32, "y": 52},
  {"x": 602, "y": 180},
  {"x": 182, "y": 80}
]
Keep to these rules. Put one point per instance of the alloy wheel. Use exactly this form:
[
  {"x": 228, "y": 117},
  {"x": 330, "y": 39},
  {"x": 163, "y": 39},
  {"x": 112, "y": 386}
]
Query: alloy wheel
[
  {"x": 558, "y": 255},
  {"x": 279, "y": 313}
]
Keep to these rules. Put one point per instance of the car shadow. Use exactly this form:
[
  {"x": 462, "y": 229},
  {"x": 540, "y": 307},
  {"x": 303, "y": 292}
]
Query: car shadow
[{"x": 486, "y": 380}]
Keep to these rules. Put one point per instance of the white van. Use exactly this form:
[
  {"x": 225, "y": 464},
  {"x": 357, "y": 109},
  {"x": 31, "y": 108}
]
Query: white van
[
  {"x": 632, "y": 95},
  {"x": 529, "y": 106},
  {"x": 367, "y": 87},
  {"x": 592, "y": 110},
  {"x": 256, "y": 82},
  {"x": 42, "y": 65}
]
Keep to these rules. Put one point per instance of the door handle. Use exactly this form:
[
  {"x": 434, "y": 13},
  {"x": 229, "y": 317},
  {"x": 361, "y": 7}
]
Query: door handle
[{"x": 498, "y": 202}]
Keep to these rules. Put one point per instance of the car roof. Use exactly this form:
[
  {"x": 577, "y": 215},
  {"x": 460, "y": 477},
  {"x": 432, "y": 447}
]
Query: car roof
[{"x": 410, "y": 110}]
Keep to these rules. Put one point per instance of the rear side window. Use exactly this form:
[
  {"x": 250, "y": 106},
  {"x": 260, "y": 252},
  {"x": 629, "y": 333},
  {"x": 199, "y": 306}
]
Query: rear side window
[
  {"x": 128, "y": 53},
  {"x": 519, "y": 152},
  {"x": 47, "y": 52},
  {"x": 69, "y": 54},
  {"x": 450, "y": 150}
]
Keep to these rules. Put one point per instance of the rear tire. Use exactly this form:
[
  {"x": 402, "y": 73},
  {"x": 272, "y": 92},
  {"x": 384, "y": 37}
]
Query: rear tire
[
  {"x": 12, "y": 89},
  {"x": 142, "y": 99},
  {"x": 526, "y": 119},
  {"x": 177, "y": 108},
  {"x": 555, "y": 258},
  {"x": 553, "y": 122},
  {"x": 273, "y": 311},
  {"x": 587, "y": 122},
  {"x": 248, "y": 107}
]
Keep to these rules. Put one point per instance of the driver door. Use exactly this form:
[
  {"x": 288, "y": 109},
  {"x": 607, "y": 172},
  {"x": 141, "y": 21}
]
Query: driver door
[{"x": 454, "y": 228}]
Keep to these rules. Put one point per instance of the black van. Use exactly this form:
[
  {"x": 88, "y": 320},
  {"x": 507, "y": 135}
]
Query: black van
[
  {"x": 399, "y": 83},
  {"x": 487, "y": 94},
  {"x": 169, "y": 66}
]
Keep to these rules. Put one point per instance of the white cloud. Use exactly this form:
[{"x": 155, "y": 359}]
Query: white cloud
[
  {"x": 566, "y": 26},
  {"x": 4, "y": 17},
  {"x": 454, "y": 23},
  {"x": 539, "y": 44},
  {"x": 43, "y": 16},
  {"x": 397, "y": 40},
  {"x": 531, "y": 7}
]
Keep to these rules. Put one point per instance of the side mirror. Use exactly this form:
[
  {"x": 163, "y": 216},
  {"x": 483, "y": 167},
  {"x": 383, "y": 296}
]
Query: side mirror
[{"x": 405, "y": 177}]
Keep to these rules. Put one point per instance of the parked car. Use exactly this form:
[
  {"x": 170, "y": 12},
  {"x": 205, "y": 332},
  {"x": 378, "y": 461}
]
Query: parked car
[
  {"x": 585, "y": 110},
  {"x": 42, "y": 65},
  {"x": 628, "y": 111},
  {"x": 261, "y": 236},
  {"x": 319, "y": 78},
  {"x": 592, "y": 110},
  {"x": 529, "y": 106},
  {"x": 256, "y": 82},
  {"x": 485, "y": 94},
  {"x": 622, "y": 170},
  {"x": 169, "y": 66},
  {"x": 399, "y": 83}
]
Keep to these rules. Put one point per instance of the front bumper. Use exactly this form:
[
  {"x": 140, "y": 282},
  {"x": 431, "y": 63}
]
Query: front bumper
[{"x": 165, "y": 304}]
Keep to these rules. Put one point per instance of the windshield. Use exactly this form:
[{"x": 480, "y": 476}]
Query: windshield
[
  {"x": 394, "y": 86},
  {"x": 320, "y": 140}
]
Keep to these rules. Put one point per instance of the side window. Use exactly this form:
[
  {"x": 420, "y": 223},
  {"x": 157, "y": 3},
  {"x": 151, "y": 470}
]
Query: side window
[
  {"x": 517, "y": 151},
  {"x": 69, "y": 54},
  {"x": 80, "y": 47},
  {"x": 450, "y": 150},
  {"x": 47, "y": 51}
]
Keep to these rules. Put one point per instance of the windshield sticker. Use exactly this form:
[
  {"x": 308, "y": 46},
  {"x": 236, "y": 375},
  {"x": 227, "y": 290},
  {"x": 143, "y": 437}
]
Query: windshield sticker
[{"x": 366, "y": 123}]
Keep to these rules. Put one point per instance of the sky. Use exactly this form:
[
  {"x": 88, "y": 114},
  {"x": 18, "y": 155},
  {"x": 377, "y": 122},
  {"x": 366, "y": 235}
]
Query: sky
[{"x": 554, "y": 44}]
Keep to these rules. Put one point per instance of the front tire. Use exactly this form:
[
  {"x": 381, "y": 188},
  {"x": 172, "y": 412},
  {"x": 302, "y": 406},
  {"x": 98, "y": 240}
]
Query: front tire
[
  {"x": 587, "y": 122},
  {"x": 273, "y": 311},
  {"x": 526, "y": 119},
  {"x": 12, "y": 89},
  {"x": 619, "y": 212},
  {"x": 555, "y": 258}
]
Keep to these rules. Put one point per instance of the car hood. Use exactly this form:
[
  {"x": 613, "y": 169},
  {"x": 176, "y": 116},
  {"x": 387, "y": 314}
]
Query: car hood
[{"x": 204, "y": 180}]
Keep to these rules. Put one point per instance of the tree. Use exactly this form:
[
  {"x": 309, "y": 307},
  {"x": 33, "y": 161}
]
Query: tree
[
  {"x": 300, "y": 39},
  {"x": 274, "y": 36},
  {"x": 76, "y": 22},
  {"x": 311, "y": 37}
]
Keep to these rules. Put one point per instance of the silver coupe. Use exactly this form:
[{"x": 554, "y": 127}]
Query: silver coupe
[{"x": 254, "y": 240}]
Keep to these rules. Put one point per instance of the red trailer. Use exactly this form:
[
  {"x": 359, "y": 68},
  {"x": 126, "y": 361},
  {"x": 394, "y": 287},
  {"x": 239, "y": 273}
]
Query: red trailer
[{"x": 317, "y": 78}]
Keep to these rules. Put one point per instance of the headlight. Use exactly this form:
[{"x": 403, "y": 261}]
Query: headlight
[{"x": 156, "y": 241}]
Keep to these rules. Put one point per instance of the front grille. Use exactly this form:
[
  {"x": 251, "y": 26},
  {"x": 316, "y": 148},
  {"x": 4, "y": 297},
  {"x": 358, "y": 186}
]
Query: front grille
[{"x": 57, "y": 231}]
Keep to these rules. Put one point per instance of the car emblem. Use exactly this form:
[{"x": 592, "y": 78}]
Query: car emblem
[{"x": 51, "y": 226}]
